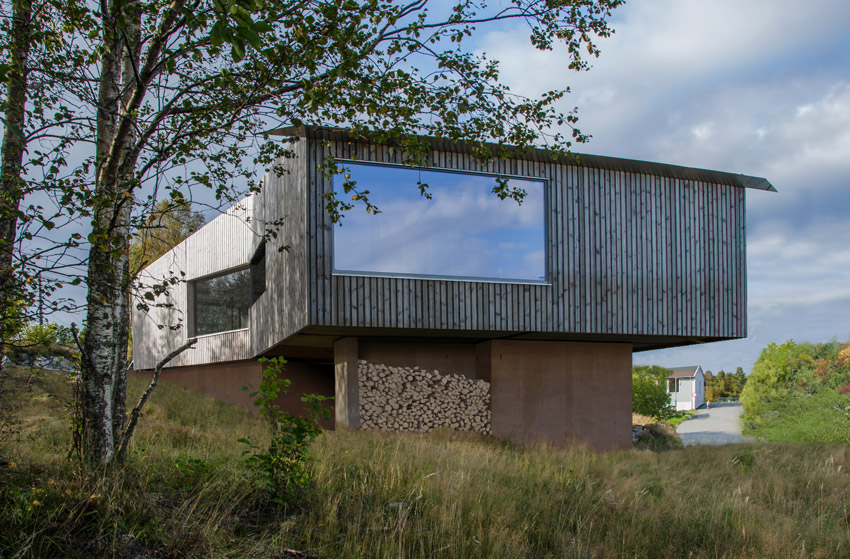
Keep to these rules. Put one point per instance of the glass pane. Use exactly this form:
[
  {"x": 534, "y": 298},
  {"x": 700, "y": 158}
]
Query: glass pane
[
  {"x": 463, "y": 231},
  {"x": 222, "y": 302}
]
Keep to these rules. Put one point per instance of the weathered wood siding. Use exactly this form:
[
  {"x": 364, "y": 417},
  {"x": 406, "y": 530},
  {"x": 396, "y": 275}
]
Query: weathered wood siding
[
  {"x": 628, "y": 253},
  {"x": 282, "y": 309},
  {"x": 225, "y": 243}
]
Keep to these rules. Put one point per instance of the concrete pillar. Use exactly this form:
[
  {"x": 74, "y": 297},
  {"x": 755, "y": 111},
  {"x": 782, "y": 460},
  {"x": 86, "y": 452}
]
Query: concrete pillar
[
  {"x": 559, "y": 392},
  {"x": 347, "y": 396}
]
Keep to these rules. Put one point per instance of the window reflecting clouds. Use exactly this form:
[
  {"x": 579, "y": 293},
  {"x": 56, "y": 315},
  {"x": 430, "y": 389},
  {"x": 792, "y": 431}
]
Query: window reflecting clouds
[{"x": 463, "y": 231}]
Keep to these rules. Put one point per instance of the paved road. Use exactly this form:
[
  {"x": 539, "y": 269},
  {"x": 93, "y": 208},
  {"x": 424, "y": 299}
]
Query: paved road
[{"x": 719, "y": 425}]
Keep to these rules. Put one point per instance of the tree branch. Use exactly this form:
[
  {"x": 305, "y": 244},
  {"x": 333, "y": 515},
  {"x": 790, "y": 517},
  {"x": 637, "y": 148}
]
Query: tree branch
[{"x": 121, "y": 455}]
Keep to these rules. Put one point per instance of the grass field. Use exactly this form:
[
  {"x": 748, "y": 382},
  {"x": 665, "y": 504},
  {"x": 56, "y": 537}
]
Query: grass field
[{"x": 186, "y": 493}]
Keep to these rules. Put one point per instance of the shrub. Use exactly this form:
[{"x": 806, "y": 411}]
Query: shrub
[
  {"x": 43, "y": 340},
  {"x": 282, "y": 467},
  {"x": 799, "y": 392},
  {"x": 659, "y": 437},
  {"x": 650, "y": 397}
]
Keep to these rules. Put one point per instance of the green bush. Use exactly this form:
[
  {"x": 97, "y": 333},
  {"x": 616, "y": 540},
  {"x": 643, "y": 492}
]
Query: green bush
[
  {"x": 282, "y": 467},
  {"x": 795, "y": 393},
  {"x": 42, "y": 339},
  {"x": 659, "y": 437},
  {"x": 649, "y": 397},
  {"x": 822, "y": 417}
]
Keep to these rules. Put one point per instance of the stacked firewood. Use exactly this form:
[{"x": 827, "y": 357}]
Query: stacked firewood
[{"x": 413, "y": 399}]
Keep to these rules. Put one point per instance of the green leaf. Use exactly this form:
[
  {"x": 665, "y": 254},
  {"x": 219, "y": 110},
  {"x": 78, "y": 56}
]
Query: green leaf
[
  {"x": 217, "y": 34},
  {"x": 251, "y": 36},
  {"x": 237, "y": 50}
]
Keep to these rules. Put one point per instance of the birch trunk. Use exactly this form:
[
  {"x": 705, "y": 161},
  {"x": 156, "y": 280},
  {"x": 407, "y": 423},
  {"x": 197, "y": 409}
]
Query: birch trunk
[
  {"x": 104, "y": 367},
  {"x": 14, "y": 145}
]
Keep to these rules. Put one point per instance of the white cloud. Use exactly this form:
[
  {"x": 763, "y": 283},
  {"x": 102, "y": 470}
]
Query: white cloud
[
  {"x": 729, "y": 71},
  {"x": 703, "y": 132}
]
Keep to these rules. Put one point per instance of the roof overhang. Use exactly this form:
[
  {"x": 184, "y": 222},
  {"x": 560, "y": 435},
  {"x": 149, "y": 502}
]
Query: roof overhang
[{"x": 543, "y": 155}]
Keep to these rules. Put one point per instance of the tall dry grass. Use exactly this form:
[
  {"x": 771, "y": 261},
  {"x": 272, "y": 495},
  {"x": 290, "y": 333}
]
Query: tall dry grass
[
  {"x": 186, "y": 493},
  {"x": 383, "y": 496}
]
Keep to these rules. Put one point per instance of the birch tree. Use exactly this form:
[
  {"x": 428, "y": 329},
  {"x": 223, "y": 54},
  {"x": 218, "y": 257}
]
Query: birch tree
[
  {"x": 177, "y": 95},
  {"x": 15, "y": 75},
  {"x": 39, "y": 71}
]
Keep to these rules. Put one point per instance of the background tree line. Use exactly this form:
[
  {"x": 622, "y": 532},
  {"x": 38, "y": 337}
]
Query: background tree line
[{"x": 724, "y": 385}]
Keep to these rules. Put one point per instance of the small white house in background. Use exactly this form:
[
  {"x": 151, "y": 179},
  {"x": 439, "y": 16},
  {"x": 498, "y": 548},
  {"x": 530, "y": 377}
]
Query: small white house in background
[{"x": 686, "y": 386}]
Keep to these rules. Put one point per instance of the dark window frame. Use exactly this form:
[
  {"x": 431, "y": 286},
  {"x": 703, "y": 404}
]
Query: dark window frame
[{"x": 257, "y": 269}]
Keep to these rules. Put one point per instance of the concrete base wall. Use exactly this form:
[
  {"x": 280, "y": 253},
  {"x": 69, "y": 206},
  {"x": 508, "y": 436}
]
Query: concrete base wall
[
  {"x": 560, "y": 392},
  {"x": 224, "y": 381},
  {"x": 552, "y": 392}
]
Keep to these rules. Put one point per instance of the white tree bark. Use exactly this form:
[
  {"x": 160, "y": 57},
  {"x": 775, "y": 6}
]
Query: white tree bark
[{"x": 104, "y": 367}]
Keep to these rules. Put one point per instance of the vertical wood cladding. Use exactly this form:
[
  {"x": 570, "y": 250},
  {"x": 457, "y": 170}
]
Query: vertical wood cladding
[
  {"x": 225, "y": 243},
  {"x": 628, "y": 253},
  {"x": 282, "y": 309}
]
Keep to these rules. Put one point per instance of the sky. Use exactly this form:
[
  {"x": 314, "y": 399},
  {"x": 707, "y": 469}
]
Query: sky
[{"x": 760, "y": 87}]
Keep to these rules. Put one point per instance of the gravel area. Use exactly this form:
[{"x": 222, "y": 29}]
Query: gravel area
[{"x": 719, "y": 425}]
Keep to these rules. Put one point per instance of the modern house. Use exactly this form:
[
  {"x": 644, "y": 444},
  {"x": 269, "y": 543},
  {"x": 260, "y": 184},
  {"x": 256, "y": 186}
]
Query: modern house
[
  {"x": 539, "y": 304},
  {"x": 686, "y": 386}
]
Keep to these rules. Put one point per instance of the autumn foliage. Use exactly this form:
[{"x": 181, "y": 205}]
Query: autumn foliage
[{"x": 800, "y": 391}]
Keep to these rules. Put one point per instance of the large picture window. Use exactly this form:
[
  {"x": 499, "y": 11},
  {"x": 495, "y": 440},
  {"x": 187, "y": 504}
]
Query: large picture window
[
  {"x": 222, "y": 302},
  {"x": 463, "y": 231}
]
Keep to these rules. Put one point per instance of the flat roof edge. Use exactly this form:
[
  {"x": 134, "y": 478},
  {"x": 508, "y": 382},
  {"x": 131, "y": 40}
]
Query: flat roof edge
[{"x": 541, "y": 154}]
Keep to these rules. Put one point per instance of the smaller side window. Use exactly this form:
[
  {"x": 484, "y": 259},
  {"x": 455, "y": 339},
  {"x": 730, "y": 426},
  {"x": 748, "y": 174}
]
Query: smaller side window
[{"x": 221, "y": 302}]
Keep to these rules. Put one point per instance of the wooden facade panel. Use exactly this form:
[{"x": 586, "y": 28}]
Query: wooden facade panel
[
  {"x": 627, "y": 253},
  {"x": 280, "y": 217},
  {"x": 278, "y": 213},
  {"x": 207, "y": 253},
  {"x": 153, "y": 327},
  {"x": 164, "y": 326}
]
